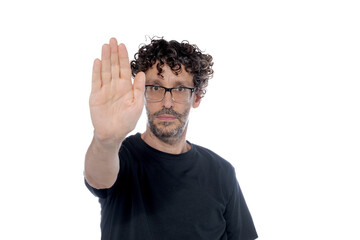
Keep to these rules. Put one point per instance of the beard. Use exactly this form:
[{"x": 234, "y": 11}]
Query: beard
[{"x": 168, "y": 132}]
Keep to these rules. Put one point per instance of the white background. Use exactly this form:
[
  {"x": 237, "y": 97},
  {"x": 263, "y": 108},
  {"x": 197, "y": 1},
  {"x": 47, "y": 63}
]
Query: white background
[{"x": 283, "y": 108}]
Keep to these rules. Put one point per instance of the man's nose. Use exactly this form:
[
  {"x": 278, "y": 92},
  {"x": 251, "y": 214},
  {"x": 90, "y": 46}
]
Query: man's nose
[{"x": 167, "y": 101}]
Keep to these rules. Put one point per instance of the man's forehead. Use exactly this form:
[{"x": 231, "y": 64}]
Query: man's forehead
[{"x": 167, "y": 74}]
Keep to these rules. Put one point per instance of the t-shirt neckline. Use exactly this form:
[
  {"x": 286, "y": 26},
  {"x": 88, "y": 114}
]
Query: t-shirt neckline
[{"x": 161, "y": 154}]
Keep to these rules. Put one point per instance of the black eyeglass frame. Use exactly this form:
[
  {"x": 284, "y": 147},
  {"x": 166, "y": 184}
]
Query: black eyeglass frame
[{"x": 169, "y": 90}]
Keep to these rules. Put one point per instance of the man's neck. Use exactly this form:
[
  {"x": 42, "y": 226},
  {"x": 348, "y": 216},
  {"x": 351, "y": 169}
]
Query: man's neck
[{"x": 177, "y": 147}]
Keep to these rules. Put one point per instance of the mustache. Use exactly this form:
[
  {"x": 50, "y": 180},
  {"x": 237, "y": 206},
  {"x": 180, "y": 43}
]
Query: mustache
[{"x": 168, "y": 111}]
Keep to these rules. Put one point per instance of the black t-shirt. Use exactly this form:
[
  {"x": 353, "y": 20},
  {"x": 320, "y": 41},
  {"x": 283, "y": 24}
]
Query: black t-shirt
[{"x": 161, "y": 196}]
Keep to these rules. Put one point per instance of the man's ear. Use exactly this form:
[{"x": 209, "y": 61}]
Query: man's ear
[{"x": 197, "y": 100}]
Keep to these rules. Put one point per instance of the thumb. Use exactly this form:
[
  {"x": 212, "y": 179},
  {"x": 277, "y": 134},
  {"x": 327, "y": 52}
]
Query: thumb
[{"x": 139, "y": 86}]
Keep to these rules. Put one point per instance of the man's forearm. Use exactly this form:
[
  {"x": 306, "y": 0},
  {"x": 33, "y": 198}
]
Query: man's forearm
[{"x": 102, "y": 163}]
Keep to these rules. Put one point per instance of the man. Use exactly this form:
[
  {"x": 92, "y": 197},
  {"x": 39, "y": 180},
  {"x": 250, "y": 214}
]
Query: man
[{"x": 157, "y": 185}]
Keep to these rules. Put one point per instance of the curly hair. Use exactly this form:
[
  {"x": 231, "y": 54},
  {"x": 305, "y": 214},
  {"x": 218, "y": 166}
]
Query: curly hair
[{"x": 175, "y": 54}]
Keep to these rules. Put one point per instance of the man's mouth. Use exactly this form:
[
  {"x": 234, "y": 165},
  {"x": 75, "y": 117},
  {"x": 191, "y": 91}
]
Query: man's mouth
[{"x": 166, "y": 117}]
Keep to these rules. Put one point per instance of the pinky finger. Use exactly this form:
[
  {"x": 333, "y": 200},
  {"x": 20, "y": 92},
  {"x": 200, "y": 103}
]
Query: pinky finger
[{"x": 96, "y": 76}]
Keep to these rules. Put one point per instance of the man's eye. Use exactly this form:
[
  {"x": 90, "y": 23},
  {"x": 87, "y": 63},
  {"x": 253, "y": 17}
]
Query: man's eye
[
  {"x": 156, "y": 88},
  {"x": 180, "y": 89}
]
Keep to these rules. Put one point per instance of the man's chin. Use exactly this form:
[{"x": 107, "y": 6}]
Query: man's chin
[
  {"x": 168, "y": 134},
  {"x": 167, "y": 131}
]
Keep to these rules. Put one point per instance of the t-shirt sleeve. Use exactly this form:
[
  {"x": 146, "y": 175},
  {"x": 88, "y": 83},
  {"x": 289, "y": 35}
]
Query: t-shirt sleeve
[
  {"x": 101, "y": 193},
  {"x": 239, "y": 223}
]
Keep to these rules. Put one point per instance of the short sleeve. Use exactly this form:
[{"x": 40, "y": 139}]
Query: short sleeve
[
  {"x": 239, "y": 223},
  {"x": 100, "y": 193}
]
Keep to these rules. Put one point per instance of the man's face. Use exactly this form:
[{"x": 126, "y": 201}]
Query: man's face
[{"x": 168, "y": 119}]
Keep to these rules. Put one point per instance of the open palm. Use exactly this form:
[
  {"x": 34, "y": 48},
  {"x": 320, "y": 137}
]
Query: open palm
[{"x": 115, "y": 103}]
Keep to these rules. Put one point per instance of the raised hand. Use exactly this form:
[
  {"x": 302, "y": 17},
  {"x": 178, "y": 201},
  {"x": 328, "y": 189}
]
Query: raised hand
[{"x": 115, "y": 103}]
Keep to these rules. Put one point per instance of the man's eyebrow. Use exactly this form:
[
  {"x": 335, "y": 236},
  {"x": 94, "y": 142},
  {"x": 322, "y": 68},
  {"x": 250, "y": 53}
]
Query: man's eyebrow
[
  {"x": 153, "y": 81},
  {"x": 180, "y": 83},
  {"x": 160, "y": 82}
]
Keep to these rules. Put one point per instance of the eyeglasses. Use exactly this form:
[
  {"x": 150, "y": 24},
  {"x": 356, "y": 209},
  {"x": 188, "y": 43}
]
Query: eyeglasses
[{"x": 178, "y": 94}]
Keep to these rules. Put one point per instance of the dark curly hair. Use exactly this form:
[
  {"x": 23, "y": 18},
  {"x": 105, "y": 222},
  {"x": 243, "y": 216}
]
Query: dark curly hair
[{"x": 175, "y": 54}]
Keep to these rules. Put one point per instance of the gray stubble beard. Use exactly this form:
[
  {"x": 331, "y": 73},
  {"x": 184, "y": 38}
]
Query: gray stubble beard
[{"x": 170, "y": 136}]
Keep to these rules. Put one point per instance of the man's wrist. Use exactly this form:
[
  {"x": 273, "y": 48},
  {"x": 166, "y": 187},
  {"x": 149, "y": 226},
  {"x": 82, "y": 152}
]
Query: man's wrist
[{"x": 107, "y": 143}]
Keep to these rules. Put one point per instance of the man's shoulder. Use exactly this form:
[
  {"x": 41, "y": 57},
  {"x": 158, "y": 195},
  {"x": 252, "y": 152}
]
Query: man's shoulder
[
  {"x": 130, "y": 148},
  {"x": 132, "y": 138},
  {"x": 131, "y": 142},
  {"x": 213, "y": 158}
]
